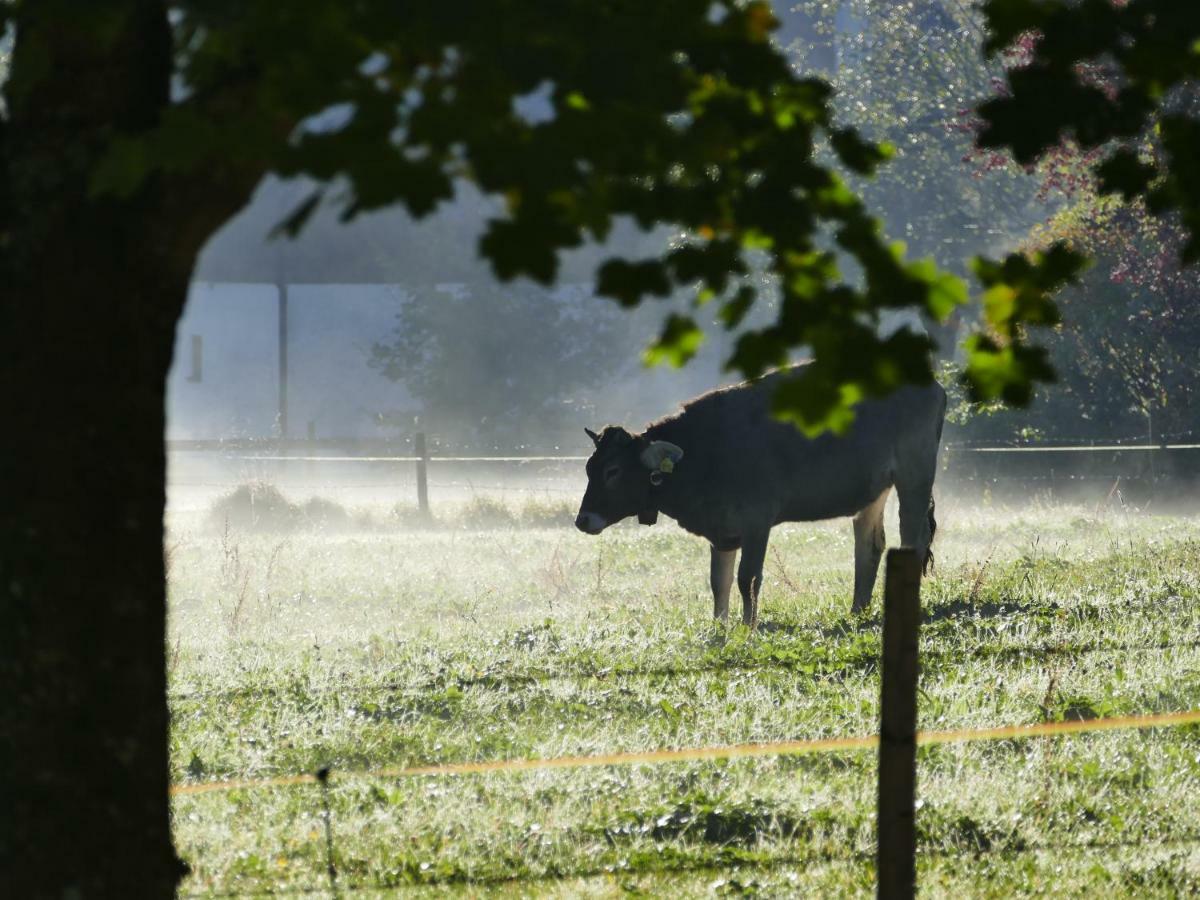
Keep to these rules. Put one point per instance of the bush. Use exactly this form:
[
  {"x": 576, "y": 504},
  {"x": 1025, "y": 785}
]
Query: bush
[
  {"x": 327, "y": 514},
  {"x": 262, "y": 507},
  {"x": 487, "y": 512},
  {"x": 256, "y": 506},
  {"x": 546, "y": 514},
  {"x": 409, "y": 516}
]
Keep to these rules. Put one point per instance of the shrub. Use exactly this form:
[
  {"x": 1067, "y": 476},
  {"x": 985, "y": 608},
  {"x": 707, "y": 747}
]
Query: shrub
[
  {"x": 256, "y": 506},
  {"x": 486, "y": 512},
  {"x": 327, "y": 514},
  {"x": 546, "y": 514},
  {"x": 262, "y": 507},
  {"x": 409, "y": 516}
]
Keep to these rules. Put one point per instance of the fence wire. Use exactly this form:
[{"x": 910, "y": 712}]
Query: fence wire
[
  {"x": 655, "y": 757},
  {"x": 501, "y": 681},
  {"x": 412, "y": 459},
  {"x": 719, "y": 752}
]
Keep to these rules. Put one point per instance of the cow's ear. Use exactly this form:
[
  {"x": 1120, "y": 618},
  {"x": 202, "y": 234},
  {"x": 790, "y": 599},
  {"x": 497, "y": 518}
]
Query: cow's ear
[
  {"x": 595, "y": 437},
  {"x": 661, "y": 456}
]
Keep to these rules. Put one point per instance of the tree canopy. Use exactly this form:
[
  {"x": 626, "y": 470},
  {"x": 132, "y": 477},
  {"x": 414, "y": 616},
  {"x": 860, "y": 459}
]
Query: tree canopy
[
  {"x": 686, "y": 114},
  {"x": 910, "y": 73},
  {"x": 683, "y": 112},
  {"x": 1106, "y": 73}
]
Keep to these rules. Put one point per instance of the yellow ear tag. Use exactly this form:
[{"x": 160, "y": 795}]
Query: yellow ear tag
[{"x": 667, "y": 466}]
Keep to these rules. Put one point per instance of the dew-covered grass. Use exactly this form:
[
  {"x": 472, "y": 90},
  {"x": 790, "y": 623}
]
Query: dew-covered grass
[{"x": 389, "y": 646}]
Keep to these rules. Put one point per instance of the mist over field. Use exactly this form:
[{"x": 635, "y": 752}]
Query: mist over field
[{"x": 374, "y": 643}]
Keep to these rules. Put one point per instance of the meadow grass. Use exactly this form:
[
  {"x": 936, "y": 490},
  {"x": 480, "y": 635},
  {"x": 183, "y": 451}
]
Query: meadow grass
[{"x": 392, "y": 647}]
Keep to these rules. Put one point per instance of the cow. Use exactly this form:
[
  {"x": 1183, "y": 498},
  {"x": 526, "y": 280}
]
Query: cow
[{"x": 725, "y": 469}]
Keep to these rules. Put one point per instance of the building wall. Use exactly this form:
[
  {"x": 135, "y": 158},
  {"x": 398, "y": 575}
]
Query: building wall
[
  {"x": 331, "y": 329},
  {"x": 236, "y": 395}
]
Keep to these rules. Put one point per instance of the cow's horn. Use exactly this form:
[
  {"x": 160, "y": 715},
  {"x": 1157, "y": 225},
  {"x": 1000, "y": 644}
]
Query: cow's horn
[
  {"x": 661, "y": 456},
  {"x": 595, "y": 437}
]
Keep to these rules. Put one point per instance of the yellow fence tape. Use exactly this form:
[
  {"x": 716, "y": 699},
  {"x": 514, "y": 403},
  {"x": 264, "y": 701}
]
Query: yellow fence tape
[{"x": 729, "y": 751}]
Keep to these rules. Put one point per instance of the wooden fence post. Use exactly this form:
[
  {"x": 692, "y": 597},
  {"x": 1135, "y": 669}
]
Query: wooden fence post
[
  {"x": 896, "y": 863},
  {"x": 422, "y": 474}
]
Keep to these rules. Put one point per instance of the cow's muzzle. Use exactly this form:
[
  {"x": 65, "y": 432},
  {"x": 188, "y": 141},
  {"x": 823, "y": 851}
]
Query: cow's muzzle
[{"x": 590, "y": 523}]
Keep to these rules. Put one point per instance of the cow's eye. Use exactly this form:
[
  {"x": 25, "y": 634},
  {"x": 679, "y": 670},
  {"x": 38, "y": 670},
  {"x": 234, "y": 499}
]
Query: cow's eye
[{"x": 611, "y": 472}]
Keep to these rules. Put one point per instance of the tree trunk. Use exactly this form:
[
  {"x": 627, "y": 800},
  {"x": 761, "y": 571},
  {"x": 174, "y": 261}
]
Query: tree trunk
[
  {"x": 91, "y": 290},
  {"x": 84, "y": 724}
]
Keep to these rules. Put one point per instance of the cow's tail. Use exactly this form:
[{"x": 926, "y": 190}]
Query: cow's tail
[{"x": 927, "y": 564}]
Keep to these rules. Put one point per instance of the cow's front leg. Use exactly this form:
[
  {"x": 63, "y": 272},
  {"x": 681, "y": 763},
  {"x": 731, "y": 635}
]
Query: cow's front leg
[
  {"x": 721, "y": 578},
  {"x": 754, "y": 553}
]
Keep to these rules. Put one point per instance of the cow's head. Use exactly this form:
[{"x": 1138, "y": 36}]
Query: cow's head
[{"x": 622, "y": 473}]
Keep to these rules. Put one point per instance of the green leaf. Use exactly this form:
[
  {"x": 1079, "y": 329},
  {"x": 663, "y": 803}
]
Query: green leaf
[
  {"x": 678, "y": 343},
  {"x": 514, "y": 251},
  {"x": 1019, "y": 289},
  {"x": 575, "y": 100},
  {"x": 859, "y": 156},
  {"x": 735, "y": 309},
  {"x": 757, "y": 351},
  {"x": 1006, "y": 373},
  {"x": 628, "y": 282},
  {"x": 712, "y": 263},
  {"x": 815, "y": 402},
  {"x": 944, "y": 292}
]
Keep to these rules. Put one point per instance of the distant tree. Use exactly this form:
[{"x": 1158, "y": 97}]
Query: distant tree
[
  {"x": 1127, "y": 352},
  {"x": 908, "y": 72},
  {"x": 1114, "y": 80},
  {"x": 1116, "y": 122},
  {"x": 492, "y": 366}
]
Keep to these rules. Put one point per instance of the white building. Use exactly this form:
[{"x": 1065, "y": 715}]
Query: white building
[{"x": 225, "y": 381}]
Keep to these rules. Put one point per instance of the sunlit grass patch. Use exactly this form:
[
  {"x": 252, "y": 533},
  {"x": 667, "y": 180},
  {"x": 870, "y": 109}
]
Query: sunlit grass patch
[{"x": 367, "y": 650}]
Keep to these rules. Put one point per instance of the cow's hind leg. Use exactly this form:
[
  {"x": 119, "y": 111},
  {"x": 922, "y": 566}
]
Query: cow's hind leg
[
  {"x": 869, "y": 541},
  {"x": 721, "y": 578},
  {"x": 916, "y": 519},
  {"x": 749, "y": 576},
  {"x": 917, "y": 465}
]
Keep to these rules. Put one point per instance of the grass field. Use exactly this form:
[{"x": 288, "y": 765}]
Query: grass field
[{"x": 384, "y": 647}]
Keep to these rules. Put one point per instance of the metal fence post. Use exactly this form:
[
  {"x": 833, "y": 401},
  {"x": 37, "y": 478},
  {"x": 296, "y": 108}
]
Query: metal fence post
[
  {"x": 282, "y": 288},
  {"x": 896, "y": 864},
  {"x": 422, "y": 474}
]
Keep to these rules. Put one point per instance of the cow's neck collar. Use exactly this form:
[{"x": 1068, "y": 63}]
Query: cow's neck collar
[{"x": 648, "y": 514}]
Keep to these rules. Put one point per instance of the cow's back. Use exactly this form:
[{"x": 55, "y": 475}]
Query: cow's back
[{"x": 742, "y": 464}]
